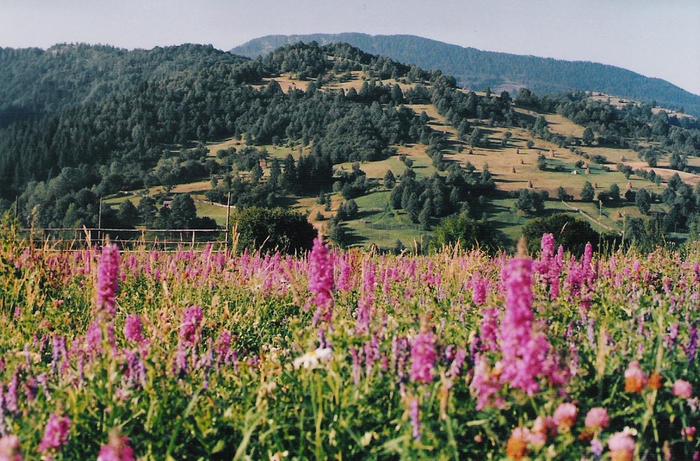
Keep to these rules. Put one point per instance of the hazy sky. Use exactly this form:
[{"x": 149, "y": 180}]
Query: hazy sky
[{"x": 658, "y": 38}]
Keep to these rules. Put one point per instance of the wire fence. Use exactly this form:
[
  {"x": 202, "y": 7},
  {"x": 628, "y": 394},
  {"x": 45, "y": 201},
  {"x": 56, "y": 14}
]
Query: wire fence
[{"x": 76, "y": 239}]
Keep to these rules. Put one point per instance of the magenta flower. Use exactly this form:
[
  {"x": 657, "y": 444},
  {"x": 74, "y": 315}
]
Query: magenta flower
[
  {"x": 479, "y": 290},
  {"x": 525, "y": 353},
  {"x": 224, "y": 355},
  {"x": 118, "y": 449},
  {"x": 56, "y": 433},
  {"x": 345, "y": 279},
  {"x": 190, "y": 324},
  {"x": 486, "y": 385},
  {"x": 108, "y": 280},
  {"x": 689, "y": 433},
  {"x": 321, "y": 280},
  {"x": 133, "y": 329},
  {"x": 423, "y": 358},
  {"x": 550, "y": 265},
  {"x": 457, "y": 363},
  {"x": 365, "y": 308},
  {"x": 94, "y": 338},
  {"x": 547, "y": 246},
  {"x": 489, "y": 330}
]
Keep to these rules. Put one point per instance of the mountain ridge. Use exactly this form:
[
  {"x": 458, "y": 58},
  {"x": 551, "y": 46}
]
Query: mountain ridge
[{"x": 478, "y": 69}]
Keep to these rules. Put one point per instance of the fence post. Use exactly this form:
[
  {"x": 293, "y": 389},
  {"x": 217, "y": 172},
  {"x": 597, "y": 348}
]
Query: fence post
[
  {"x": 227, "y": 233},
  {"x": 99, "y": 223}
]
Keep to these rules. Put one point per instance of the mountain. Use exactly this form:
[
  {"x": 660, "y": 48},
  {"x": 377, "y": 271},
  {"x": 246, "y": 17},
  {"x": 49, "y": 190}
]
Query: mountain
[{"x": 479, "y": 69}]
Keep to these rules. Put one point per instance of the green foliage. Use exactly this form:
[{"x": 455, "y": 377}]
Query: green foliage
[
  {"x": 643, "y": 201},
  {"x": 273, "y": 230},
  {"x": 530, "y": 201},
  {"x": 467, "y": 233},
  {"x": 587, "y": 193},
  {"x": 568, "y": 231}
]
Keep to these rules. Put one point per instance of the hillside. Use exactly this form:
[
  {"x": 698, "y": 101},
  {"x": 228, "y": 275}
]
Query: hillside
[
  {"x": 371, "y": 151},
  {"x": 479, "y": 69}
]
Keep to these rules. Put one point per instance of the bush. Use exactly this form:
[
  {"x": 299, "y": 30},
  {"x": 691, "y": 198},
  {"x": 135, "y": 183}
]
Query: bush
[
  {"x": 567, "y": 230},
  {"x": 273, "y": 229},
  {"x": 467, "y": 233}
]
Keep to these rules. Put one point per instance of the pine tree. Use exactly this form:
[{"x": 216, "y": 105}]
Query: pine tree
[{"x": 425, "y": 214}]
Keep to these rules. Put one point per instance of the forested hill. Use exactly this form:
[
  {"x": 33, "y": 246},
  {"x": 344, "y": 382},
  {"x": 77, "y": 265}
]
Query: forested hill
[
  {"x": 86, "y": 121},
  {"x": 480, "y": 69},
  {"x": 35, "y": 81}
]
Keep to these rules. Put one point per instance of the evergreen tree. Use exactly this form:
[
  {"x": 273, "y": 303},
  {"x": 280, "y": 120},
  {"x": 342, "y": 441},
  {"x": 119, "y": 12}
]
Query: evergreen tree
[
  {"x": 425, "y": 214},
  {"x": 147, "y": 211},
  {"x": 389, "y": 180},
  {"x": 643, "y": 201},
  {"x": 127, "y": 215},
  {"x": 183, "y": 212},
  {"x": 587, "y": 193}
]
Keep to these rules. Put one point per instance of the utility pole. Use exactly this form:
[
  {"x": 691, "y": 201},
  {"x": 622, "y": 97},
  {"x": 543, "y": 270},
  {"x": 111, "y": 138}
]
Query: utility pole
[
  {"x": 99, "y": 222},
  {"x": 228, "y": 219}
]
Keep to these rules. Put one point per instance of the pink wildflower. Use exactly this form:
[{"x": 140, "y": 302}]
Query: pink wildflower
[
  {"x": 542, "y": 428},
  {"x": 108, "y": 280},
  {"x": 118, "y": 449},
  {"x": 345, "y": 279},
  {"x": 94, "y": 338},
  {"x": 635, "y": 378},
  {"x": 321, "y": 279},
  {"x": 597, "y": 419},
  {"x": 10, "y": 448},
  {"x": 414, "y": 407},
  {"x": 525, "y": 353},
  {"x": 621, "y": 447},
  {"x": 423, "y": 357},
  {"x": 565, "y": 416},
  {"x": 550, "y": 265},
  {"x": 682, "y": 389},
  {"x": 689, "y": 433},
  {"x": 479, "y": 290},
  {"x": 190, "y": 324},
  {"x": 597, "y": 447},
  {"x": 365, "y": 308},
  {"x": 133, "y": 329},
  {"x": 56, "y": 433},
  {"x": 489, "y": 330},
  {"x": 485, "y": 384}
]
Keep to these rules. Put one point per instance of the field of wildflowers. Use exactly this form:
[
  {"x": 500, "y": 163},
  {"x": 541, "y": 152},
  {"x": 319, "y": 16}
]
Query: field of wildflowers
[{"x": 115, "y": 355}]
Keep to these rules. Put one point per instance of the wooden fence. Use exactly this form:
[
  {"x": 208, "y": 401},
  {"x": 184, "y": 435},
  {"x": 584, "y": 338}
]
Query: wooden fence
[{"x": 68, "y": 239}]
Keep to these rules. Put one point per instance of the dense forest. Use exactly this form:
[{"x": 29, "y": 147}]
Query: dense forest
[{"x": 480, "y": 69}]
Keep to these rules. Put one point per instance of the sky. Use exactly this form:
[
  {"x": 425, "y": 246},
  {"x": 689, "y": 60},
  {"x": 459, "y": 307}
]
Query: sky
[{"x": 657, "y": 38}]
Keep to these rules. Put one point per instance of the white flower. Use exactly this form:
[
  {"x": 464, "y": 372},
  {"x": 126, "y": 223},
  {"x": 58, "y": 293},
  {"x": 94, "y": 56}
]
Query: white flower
[
  {"x": 310, "y": 360},
  {"x": 279, "y": 456}
]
